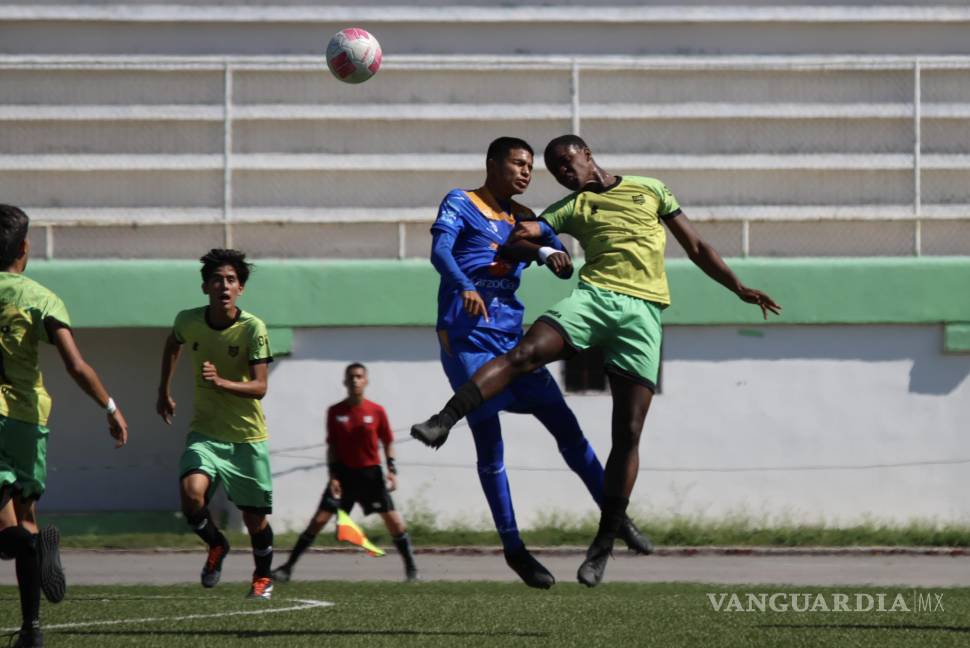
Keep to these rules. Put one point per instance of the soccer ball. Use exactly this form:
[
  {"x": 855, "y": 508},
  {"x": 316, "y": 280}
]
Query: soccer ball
[{"x": 353, "y": 55}]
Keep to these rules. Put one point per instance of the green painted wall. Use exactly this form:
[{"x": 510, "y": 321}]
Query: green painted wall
[{"x": 303, "y": 293}]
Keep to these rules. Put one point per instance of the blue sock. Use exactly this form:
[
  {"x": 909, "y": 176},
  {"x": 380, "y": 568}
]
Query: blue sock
[
  {"x": 495, "y": 481},
  {"x": 575, "y": 449}
]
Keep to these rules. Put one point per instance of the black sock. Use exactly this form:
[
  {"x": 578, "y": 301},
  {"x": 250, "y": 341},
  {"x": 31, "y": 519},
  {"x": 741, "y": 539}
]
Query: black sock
[
  {"x": 403, "y": 544},
  {"x": 467, "y": 398},
  {"x": 612, "y": 516},
  {"x": 302, "y": 544},
  {"x": 18, "y": 542},
  {"x": 205, "y": 527},
  {"x": 262, "y": 542}
]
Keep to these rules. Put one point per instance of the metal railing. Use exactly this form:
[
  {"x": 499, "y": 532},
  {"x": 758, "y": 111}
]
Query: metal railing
[{"x": 575, "y": 108}]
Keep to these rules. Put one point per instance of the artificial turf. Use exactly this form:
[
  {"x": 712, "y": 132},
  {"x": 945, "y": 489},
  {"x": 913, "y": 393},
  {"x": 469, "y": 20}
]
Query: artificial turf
[{"x": 482, "y": 614}]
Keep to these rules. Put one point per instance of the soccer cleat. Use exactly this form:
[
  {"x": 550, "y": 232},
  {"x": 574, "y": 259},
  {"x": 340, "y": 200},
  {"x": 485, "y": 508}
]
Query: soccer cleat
[
  {"x": 212, "y": 570},
  {"x": 431, "y": 433},
  {"x": 282, "y": 574},
  {"x": 529, "y": 569},
  {"x": 591, "y": 571},
  {"x": 635, "y": 539},
  {"x": 28, "y": 639},
  {"x": 262, "y": 588},
  {"x": 52, "y": 581},
  {"x": 411, "y": 574}
]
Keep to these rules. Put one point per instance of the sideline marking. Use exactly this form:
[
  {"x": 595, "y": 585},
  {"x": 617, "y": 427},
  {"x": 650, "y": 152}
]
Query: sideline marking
[{"x": 305, "y": 604}]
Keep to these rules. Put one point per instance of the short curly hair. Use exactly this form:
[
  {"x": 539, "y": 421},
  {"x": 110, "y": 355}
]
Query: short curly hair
[{"x": 218, "y": 257}]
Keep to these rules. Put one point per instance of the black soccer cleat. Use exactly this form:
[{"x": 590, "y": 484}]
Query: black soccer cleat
[
  {"x": 529, "y": 569},
  {"x": 635, "y": 539},
  {"x": 282, "y": 574},
  {"x": 212, "y": 570},
  {"x": 431, "y": 433},
  {"x": 52, "y": 581},
  {"x": 591, "y": 571},
  {"x": 411, "y": 574},
  {"x": 31, "y": 638}
]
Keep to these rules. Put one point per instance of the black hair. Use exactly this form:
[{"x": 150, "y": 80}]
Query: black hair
[
  {"x": 354, "y": 365},
  {"x": 564, "y": 141},
  {"x": 13, "y": 230},
  {"x": 500, "y": 148},
  {"x": 217, "y": 257}
]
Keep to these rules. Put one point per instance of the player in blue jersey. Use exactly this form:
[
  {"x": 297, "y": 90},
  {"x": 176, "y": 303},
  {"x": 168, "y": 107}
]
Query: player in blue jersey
[{"x": 480, "y": 318}]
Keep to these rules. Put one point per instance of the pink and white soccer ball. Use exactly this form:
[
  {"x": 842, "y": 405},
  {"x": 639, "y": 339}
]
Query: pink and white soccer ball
[{"x": 353, "y": 55}]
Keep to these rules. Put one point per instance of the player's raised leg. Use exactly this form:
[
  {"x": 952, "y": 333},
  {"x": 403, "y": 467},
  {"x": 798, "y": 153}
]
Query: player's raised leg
[
  {"x": 631, "y": 401},
  {"x": 541, "y": 345}
]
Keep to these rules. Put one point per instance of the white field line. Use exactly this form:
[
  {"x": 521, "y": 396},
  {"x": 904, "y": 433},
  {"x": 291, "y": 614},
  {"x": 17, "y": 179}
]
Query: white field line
[{"x": 304, "y": 604}]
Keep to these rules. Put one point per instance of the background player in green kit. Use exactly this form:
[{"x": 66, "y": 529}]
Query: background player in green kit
[
  {"x": 227, "y": 436},
  {"x": 622, "y": 290},
  {"x": 30, "y": 314}
]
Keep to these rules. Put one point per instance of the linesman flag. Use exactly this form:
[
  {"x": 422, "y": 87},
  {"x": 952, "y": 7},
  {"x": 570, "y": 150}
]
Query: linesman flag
[{"x": 348, "y": 531}]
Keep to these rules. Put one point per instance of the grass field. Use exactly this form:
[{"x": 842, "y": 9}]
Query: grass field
[{"x": 479, "y": 614}]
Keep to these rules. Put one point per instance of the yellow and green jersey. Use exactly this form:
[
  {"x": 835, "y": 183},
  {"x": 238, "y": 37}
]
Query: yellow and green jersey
[
  {"x": 219, "y": 414},
  {"x": 621, "y": 233},
  {"x": 24, "y": 307}
]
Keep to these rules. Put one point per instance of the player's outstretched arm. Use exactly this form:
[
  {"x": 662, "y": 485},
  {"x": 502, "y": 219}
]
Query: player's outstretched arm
[
  {"x": 707, "y": 259},
  {"x": 87, "y": 379},
  {"x": 255, "y": 387},
  {"x": 165, "y": 405}
]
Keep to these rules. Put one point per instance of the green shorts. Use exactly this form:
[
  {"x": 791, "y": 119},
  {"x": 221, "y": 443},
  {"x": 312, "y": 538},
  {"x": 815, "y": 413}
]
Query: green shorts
[
  {"x": 23, "y": 456},
  {"x": 243, "y": 468},
  {"x": 627, "y": 328}
]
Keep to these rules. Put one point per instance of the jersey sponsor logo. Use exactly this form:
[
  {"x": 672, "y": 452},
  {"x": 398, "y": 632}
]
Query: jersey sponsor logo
[
  {"x": 639, "y": 199},
  {"x": 368, "y": 419},
  {"x": 343, "y": 419},
  {"x": 233, "y": 351},
  {"x": 495, "y": 284}
]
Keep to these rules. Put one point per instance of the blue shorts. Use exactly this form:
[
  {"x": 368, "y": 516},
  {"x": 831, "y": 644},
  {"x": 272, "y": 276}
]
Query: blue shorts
[{"x": 525, "y": 395}]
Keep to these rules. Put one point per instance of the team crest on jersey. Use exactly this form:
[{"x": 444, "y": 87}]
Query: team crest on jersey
[
  {"x": 233, "y": 351},
  {"x": 343, "y": 419},
  {"x": 494, "y": 226},
  {"x": 639, "y": 199},
  {"x": 368, "y": 419}
]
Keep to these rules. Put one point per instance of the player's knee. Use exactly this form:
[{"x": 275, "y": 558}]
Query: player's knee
[
  {"x": 490, "y": 468},
  {"x": 255, "y": 522},
  {"x": 525, "y": 356}
]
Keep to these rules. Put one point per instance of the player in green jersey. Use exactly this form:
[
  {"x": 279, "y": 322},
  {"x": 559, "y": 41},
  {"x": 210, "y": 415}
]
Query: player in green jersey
[
  {"x": 616, "y": 306},
  {"x": 31, "y": 314},
  {"x": 226, "y": 442}
]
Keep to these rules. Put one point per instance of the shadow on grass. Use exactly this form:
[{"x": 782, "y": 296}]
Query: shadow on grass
[
  {"x": 255, "y": 634},
  {"x": 867, "y": 626}
]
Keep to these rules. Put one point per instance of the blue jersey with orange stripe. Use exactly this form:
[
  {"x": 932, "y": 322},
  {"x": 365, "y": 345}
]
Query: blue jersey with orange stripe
[{"x": 480, "y": 225}]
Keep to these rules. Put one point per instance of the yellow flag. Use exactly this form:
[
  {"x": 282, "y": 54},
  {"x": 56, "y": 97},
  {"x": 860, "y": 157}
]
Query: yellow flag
[{"x": 348, "y": 531}]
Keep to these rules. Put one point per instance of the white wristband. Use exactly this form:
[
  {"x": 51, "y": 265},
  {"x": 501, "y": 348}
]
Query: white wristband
[
  {"x": 545, "y": 252},
  {"x": 111, "y": 408}
]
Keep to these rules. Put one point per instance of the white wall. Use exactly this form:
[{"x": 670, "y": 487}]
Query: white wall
[{"x": 783, "y": 421}]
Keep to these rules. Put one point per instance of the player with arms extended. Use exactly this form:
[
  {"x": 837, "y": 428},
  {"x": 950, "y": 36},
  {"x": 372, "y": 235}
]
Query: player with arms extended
[
  {"x": 480, "y": 318},
  {"x": 226, "y": 442},
  {"x": 354, "y": 427},
  {"x": 616, "y": 306},
  {"x": 30, "y": 314}
]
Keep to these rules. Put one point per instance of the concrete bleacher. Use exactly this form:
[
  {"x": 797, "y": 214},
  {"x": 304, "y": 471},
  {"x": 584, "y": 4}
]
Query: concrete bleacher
[{"x": 143, "y": 156}]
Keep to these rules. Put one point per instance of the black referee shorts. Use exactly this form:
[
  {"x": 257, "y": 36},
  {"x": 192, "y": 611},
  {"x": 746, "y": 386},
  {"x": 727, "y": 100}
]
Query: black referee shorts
[{"x": 364, "y": 486}]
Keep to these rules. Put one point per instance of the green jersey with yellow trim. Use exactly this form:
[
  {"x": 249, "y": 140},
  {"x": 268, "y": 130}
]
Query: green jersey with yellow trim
[
  {"x": 219, "y": 414},
  {"x": 621, "y": 233},
  {"x": 25, "y": 306}
]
